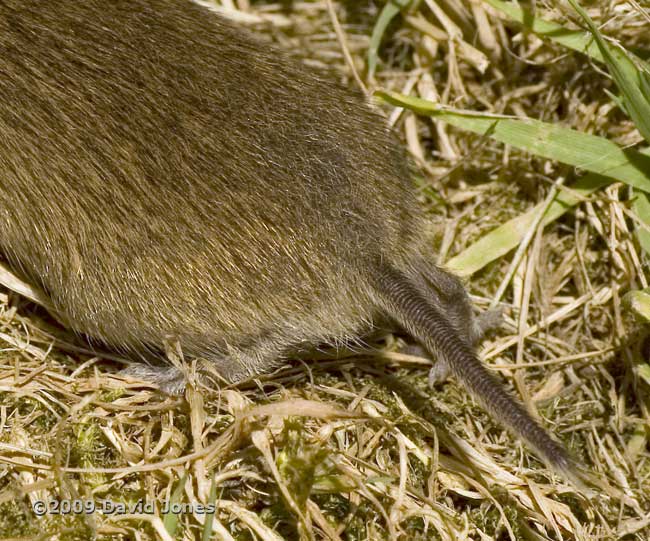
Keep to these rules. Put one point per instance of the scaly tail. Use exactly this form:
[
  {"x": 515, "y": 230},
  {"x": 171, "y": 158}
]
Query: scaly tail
[{"x": 423, "y": 320}]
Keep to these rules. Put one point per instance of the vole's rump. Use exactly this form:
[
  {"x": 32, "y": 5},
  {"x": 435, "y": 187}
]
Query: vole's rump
[{"x": 163, "y": 174}]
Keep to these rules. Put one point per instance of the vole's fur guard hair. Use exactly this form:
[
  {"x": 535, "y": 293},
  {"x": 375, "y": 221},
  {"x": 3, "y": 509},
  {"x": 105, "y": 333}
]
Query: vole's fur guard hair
[
  {"x": 194, "y": 185},
  {"x": 163, "y": 174}
]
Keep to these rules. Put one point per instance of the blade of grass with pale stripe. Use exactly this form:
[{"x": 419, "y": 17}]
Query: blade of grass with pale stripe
[
  {"x": 644, "y": 372},
  {"x": 589, "y": 152},
  {"x": 507, "y": 236},
  {"x": 600, "y": 156}
]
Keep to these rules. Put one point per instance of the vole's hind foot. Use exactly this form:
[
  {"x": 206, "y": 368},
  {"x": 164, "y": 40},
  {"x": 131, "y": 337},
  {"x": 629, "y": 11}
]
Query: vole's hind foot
[
  {"x": 214, "y": 367},
  {"x": 439, "y": 370},
  {"x": 439, "y": 373},
  {"x": 168, "y": 378},
  {"x": 488, "y": 321},
  {"x": 447, "y": 293}
]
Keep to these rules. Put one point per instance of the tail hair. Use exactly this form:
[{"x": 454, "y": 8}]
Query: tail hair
[{"x": 403, "y": 300}]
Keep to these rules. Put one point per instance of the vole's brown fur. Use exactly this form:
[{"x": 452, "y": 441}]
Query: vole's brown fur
[{"x": 162, "y": 174}]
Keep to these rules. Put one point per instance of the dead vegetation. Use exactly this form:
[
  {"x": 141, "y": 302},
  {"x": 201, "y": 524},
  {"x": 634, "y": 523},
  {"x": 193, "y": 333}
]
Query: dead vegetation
[{"x": 357, "y": 447}]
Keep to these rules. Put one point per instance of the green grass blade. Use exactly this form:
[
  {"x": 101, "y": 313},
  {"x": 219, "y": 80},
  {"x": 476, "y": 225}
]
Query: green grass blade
[
  {"x": 645, "y": 82},
  {"x": 589, "y": 152},
  {"x": 641, "y": 207},
  {"x": 389, "y": 11},
  {"x": 626, "y": 75},
  {"x": 638, "y": 302},
  {"x": 577, "y": 40},
  {"x": 170, "y": 520},
  {"x": 507, "y": 236},
  {"x": 206, "y": 535}
]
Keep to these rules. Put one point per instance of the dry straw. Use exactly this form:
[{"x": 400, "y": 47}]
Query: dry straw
[{"x": 357, "y": 447}]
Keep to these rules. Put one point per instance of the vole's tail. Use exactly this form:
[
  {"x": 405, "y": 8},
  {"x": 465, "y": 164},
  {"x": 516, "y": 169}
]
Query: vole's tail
[{"x": 403, "y": 301}]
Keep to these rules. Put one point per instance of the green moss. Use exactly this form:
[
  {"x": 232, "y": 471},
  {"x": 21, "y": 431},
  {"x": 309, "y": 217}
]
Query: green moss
[{"x": 17, "y": 519}]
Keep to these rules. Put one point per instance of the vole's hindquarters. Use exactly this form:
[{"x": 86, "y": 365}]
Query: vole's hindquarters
[
  {"x": 454, "y": 300},
  {"x": 446, "y": 292}
]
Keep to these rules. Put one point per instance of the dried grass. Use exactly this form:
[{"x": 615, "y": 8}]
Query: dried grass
[{"x": 358, "y": 447}]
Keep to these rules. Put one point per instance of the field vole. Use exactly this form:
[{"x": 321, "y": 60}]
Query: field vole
[{"x": 163, "y": 173}]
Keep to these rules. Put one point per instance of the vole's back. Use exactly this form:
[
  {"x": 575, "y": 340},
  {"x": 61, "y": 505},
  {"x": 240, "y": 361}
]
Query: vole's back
[{"x": 165, "y": 175}]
